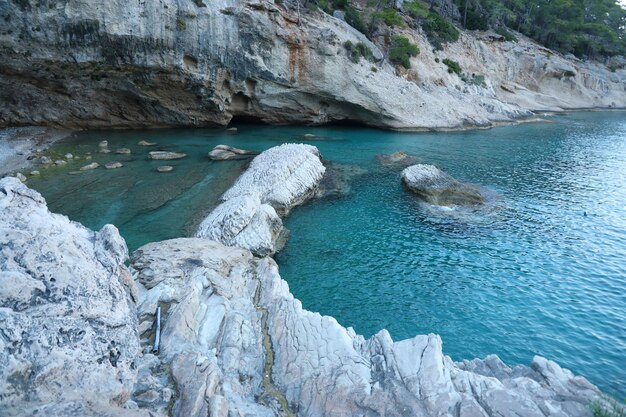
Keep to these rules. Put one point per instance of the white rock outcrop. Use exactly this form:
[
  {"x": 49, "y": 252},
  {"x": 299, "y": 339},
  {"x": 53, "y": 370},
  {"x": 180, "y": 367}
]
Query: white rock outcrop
[
  {"x": 68, "y": 328},
  {"x": 276, "y": 181},
  {"x": 236, "y": 340},
  {"x": 233, "y": 341}
]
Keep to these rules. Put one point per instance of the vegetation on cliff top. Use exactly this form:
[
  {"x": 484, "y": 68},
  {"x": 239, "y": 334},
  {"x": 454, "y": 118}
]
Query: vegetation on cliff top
[{"x": 585, "y": 28}]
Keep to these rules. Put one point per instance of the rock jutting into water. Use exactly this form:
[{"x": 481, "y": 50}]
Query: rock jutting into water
[
  {"x": 166, "y": 155},
  {"x": 436, "y": 187},
  {"x": 276, "y": 181},
  {"x": 234, "y": 340},
  {"x": 225, "y": 152}
]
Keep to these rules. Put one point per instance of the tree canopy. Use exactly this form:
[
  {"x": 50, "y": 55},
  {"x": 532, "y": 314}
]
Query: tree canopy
[{"x": 586, "y": 28}]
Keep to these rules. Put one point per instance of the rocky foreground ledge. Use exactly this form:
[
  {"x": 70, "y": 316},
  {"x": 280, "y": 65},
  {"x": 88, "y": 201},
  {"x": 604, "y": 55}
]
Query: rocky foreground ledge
[{"x": 77, "y": 335}]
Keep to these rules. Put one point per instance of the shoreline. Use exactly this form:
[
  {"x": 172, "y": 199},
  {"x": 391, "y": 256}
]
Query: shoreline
[
  {"x": 537, "y": 116},
  {"x": 21, "y": 146}
]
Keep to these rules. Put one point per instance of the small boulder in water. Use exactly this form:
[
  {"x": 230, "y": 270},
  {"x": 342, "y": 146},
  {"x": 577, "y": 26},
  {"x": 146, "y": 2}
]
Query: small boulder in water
[
  {"x": 69, "y": 156},
  {"x": 396, "y": 158},
  {"x": 166, "y": 155},
  {"x": 20, "y": 177},
  {"x": 225, "y": 152},
  {"x": 91, "y": 166},
  {"x": 34, "y": 173},
  {"x": 145, "y": 143},
  {"x": 436, "y": 187},
  {"x": 309, "y": 136},
  {"x": 123, "y": 151},
  {"x": 103, "y": 144},
  {"x": 60, "y": 162},
  {"x": 113, "y": 165},
  {"x": 232, "y": 130},
  {"x": 165, "y": 168},
  {"x": 45, "y": 160}
]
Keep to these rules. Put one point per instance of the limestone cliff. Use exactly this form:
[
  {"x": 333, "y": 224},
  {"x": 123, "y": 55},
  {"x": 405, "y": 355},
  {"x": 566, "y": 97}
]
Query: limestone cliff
[{"x": 82, "y": 63}]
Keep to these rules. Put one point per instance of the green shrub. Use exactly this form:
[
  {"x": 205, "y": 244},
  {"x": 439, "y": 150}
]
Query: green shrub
[
  {"x": 354, "y": 19},
  {"x": 324, "y": 5},
  {"x": 453, "y": 67},
  {"x": 374, "y": 69},
  {"x": 607, "y": 408},
  {"x": 416, "y": 9},
  {"x": 439, "y": 31},
  {"x": 508, "y": 36},
  {"x": 474, "y": 80},
  {"x": 401, "y": 50},
  {"x": 390, "y": 17},
  {"x": 355, "y": 52}
]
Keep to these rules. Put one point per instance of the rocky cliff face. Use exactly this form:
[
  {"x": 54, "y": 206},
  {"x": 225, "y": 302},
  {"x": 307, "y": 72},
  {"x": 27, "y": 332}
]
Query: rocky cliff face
[{"x": 84, "y": 63}]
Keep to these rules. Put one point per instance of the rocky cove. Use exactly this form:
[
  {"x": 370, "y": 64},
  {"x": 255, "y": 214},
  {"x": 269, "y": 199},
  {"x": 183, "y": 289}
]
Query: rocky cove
[
  {"x": 160, "y": 293},
  {"x": 232, "y": 338}
]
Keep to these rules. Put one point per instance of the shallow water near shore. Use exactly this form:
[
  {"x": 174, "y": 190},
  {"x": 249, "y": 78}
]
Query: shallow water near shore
[{"x": 539, "y": 270}]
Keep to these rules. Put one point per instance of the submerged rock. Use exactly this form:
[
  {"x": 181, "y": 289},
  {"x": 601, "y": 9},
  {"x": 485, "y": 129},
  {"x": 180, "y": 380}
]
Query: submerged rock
[
  {"x": 45, "y": 160},
  {"x": 337, "y": 180},
  {"x": 123, "y": 151},
  {"x": 276, "y": 181},
  {"x": 165, "y": 168},
  {"x": 166, "y": 155},
  {"x": 436, "y": 187},
  {"x": 69, "y": 326},
  {"x": 60, "y": 162},
  {"x": 396, "y": 158},
  {"x": 145, "y": 143},
  {"x": 35, "y": 173},
  {"x": 69, "y": 156},
  {"x": 232, "y": 130},
  {"x": 90, "y": 166},
  {"x": 113, "y": 165},
  {"x": 225, "y": 152}
]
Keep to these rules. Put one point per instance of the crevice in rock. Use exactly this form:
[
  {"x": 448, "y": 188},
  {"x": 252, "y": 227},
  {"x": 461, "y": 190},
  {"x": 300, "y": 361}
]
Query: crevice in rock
[{"x": 271, "y": 395}]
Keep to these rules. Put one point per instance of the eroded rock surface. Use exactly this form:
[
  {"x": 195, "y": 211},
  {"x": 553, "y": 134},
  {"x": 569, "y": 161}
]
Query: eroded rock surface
[
  {"x": 225, "y": 311},
  {"x": 234, "y": 340},
  {"x": 436, "y": 187},
  {"x": 276, "y": 181},
  {"x": 189, "y": 63},
  {"x": 68, "y": 326}
]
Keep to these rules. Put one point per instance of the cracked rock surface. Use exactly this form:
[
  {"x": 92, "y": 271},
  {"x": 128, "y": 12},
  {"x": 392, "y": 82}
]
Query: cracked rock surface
[
  {"x": 68, "y": 328},
  {"x": 234, "y": 340}
]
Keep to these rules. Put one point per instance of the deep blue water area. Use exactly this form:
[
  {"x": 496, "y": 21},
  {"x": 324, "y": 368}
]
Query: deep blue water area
[{"x": 540, "y": 269}]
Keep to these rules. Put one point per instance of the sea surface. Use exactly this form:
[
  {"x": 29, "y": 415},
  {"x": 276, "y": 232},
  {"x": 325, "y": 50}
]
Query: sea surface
[{"x": 539, "y": 270}]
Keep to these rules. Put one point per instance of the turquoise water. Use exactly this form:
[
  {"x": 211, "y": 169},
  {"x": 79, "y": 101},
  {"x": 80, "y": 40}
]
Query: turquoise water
[{"x": 539, "y": 270}]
